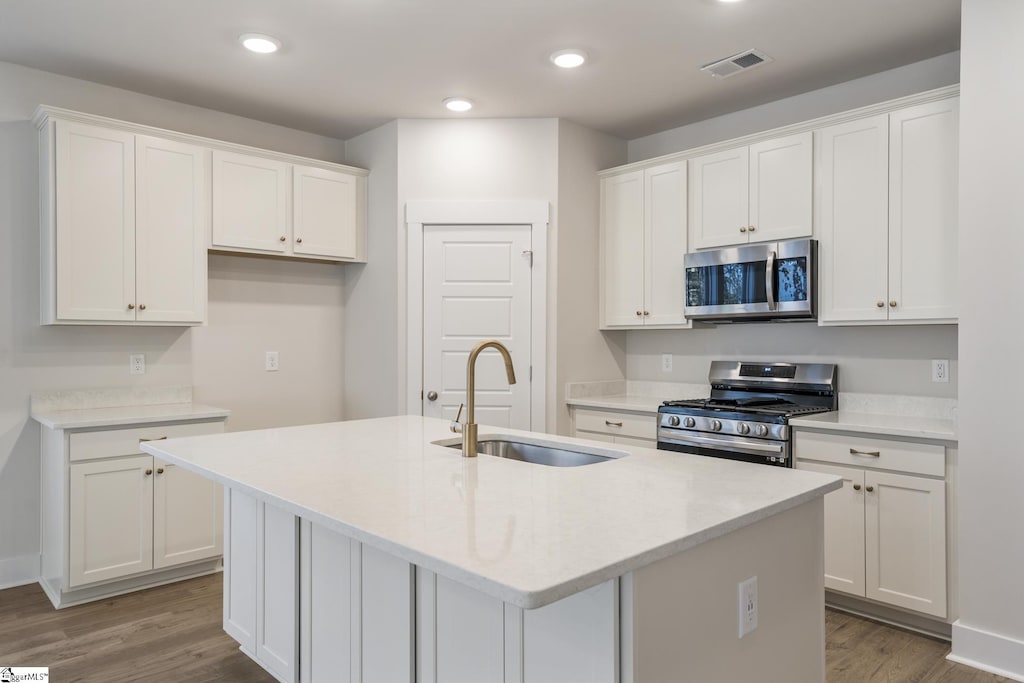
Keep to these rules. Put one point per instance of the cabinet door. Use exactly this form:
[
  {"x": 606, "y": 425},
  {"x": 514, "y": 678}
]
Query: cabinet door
[
  {"x": 622, "y": 244},
  {"x": 250, "y": 203},
  {"x": 853, "y": 225},
  {"x": 241, "y": 528},
  {"x": 188, "y": 516},
  {"x": 111, "y": 517},
  {"x": 923, "y": 220},
  {"x": 277, "y": 592},
  {"x": 844, "y": 529},
  {"x": 781, "y": 188},
  {"x": 905, "y": 544},
  {"x": 171, "y": 231},
  {"x": 326, "y": 208},
  {"x": 95, "y": 195},
  {"x": 719, "y": 199},
  {"x": 664, "y": 243}
]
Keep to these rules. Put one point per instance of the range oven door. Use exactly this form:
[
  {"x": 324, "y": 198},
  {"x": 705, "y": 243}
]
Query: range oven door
[
  {"x": 760, "y": 451},
  {"x": 758, "y": 282}
]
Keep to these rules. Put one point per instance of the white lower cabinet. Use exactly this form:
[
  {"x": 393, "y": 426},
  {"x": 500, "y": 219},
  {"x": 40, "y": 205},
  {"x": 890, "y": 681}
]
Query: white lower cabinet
[
  {"x": 114, "y": 519},
  {"x": 631, "y": 429},
  {"x": 885, "y": 531}
]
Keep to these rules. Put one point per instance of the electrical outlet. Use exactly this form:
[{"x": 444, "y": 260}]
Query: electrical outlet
[
  {"x": 666, "y": 362},
  {"x": 271, "y": 364},
  {"x": 940, "y": 370},
  {"x": 748, "y": 605},
  {"x": 137, "y": 364}
]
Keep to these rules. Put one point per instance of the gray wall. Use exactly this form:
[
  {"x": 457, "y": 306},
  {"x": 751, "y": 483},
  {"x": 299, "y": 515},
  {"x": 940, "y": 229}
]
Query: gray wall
[{"x": 255, "y": 305}]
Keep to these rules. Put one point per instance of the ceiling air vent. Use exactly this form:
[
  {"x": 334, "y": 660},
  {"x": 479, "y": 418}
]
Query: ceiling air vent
[{"x": 748, "y": 59}]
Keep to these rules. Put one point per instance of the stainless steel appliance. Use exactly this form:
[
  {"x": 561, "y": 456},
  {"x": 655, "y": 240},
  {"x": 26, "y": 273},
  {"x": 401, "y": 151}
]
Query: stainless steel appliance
[
  {"x": 747, "y": 415},
  {"x": 772, "y": 281}
]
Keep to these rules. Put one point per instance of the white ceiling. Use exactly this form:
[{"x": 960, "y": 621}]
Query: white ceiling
[{"x": 348, "y": 66}]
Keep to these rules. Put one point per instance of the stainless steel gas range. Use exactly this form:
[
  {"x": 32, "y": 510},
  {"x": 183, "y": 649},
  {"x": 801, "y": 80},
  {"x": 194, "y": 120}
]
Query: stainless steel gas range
[{"x": 747, "y": 415}]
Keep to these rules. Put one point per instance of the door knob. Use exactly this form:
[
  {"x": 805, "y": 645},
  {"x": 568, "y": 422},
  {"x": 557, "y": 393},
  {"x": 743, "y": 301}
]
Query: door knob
[{"x": 431, "y": 395}]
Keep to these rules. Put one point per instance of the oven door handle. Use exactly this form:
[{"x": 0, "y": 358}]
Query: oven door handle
[
  {"x": 777, "y": 449},
  {"x": 769, "y": 281}
]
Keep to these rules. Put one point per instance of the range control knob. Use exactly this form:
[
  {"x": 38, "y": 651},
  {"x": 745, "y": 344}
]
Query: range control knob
[
  {"x": 689, "y": 423},
  {"x": 762, "y": 430},
  {"x": 716, "y": 425},
  {"x": 673, "y": 420},
  {"x": 743, "y": 428}
]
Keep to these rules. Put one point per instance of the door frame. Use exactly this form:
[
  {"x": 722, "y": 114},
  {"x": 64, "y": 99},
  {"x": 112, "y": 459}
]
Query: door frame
[{"x": 420, "y": 214}]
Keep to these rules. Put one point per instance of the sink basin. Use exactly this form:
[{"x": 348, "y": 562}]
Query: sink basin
[{"x": 537, "y": 453}]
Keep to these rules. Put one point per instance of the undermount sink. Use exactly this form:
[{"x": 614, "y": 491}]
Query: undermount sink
[{"x": 537, "y": 453}]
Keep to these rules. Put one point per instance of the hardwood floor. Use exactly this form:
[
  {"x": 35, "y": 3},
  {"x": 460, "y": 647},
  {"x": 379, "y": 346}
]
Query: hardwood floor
[{"x": 174, "y": 633}]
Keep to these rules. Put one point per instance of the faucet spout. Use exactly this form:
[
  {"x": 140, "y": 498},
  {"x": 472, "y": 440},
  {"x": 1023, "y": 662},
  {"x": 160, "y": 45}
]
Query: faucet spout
[{"x": 469, "y": 430}]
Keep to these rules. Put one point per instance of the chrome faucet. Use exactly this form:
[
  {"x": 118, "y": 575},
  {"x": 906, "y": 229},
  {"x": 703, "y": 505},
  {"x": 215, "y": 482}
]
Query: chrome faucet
[{"x": 468, "y": 429}]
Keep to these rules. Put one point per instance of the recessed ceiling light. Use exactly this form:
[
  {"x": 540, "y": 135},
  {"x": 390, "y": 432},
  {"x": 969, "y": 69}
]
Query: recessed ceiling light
[
  {"x": 458, "y": 104},
  {"x": 569, "y": 59},
  {"x": 258, "y": 42},
  {"x": 727, "y": 2}
]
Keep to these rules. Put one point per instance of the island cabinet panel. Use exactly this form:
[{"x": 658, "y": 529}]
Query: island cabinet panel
[
  {"x": 240, "y": 558},
  {"x": 329, "y": 626},
  {"x": 387, "y": 605}
]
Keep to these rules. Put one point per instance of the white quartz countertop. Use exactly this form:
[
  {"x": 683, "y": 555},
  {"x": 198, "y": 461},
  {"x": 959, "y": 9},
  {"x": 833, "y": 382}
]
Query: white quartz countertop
[
  {"x": 880, "y": 424},
  {"x": 527, "y": 534},
  {"x": 82, "y": 418},
  {"x": 639, "y": 404}
]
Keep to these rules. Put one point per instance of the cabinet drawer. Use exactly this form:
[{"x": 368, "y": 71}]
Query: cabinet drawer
[
  {"x": 112, "y": 443},
  {"x": 625, "y": 424},
  {"x": 867, "y": 451}
]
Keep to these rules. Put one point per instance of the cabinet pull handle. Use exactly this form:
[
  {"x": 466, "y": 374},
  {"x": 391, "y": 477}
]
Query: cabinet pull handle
[
  {"x": 869, "y": 489},
  {"x": 612, "y": 424},
  {"x": 159, "y": 438},
  {"x": 131, "y": 307},
  {"x": 743, "y": 228},
  {"x": 159, "y": 470},
  {"x": 856, "y": 487},
  {"x": 149, "y": 471},
  {"x": 873, "y": 454}
]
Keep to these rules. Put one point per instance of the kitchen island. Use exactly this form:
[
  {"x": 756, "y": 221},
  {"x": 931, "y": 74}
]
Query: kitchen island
[{"x": 363, "y": 551}]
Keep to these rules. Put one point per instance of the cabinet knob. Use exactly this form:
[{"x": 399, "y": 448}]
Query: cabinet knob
[
  {"x": 639, "y": 313},
  {"x": 892, "y": 304},
  {"x": 282, "y": 238},
  {"x": 880, "y": 304},
  {"x": 131, "y": 307},
  {"x": 751, "y": 228},
  {"x": 869, "y": 489},
  {"x": 743, "y": 228},
  {"x": 298, "y": 240},
  {"x": 149, "y": 471},
  {"x": 856, "y": 487},
  {"x": 159, "y": 470},
  {"x": 647, "y": 312},
  {"x": 142, "y": 307}
]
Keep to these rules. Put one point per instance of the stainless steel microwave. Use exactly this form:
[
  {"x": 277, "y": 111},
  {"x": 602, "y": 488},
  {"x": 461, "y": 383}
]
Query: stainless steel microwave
[{"x": 772, "y": 281}]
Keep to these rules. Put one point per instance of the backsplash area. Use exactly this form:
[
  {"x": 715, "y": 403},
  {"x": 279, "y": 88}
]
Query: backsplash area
[{"x": 871, "y": 359}]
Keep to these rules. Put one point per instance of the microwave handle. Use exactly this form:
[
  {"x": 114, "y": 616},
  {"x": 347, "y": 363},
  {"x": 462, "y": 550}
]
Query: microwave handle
[{"x": 769, "y": 281}]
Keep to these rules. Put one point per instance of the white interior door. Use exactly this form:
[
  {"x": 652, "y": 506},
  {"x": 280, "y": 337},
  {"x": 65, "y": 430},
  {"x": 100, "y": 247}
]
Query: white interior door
[{"x": 476, "y": 286}]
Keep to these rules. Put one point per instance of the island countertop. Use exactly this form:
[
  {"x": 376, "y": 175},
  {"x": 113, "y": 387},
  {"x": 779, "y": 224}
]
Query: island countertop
[{"x": 527, "y": 534}]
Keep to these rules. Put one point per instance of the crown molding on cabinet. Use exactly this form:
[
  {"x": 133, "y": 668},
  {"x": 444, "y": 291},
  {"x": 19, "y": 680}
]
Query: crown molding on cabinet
[
  {"x": 44, "y": 112},
  {"x": 802, "y": 127}
]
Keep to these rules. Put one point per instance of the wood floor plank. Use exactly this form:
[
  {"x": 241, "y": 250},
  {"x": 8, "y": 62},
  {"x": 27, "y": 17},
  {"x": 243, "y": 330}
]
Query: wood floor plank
[{"x": 174, "y": 632}]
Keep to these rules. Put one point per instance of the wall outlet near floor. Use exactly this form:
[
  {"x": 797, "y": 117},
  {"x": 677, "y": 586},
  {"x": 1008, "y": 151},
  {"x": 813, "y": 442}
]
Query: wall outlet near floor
[
  {"x": 137, "y": 364},
  {"x": 271, "y": 363},
  {"x": 748, "y": 605},
  {"x": 940, "y": 370},
  {"x": 666, "y": 362}
]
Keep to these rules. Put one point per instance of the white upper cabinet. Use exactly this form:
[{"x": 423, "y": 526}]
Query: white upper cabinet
[
  {"x": 643, "y": 239},
  {"x": 124, "y": 227},
  {"x": 887, "y": 217},
  {"x": 250, "y": 203},
  {"x": 268, "y": 206},
  {"x": 752, "y": 194}
]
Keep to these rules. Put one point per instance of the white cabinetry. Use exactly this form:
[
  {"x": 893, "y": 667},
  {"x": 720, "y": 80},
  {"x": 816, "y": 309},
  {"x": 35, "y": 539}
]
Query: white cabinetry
[
  {"x": 887, "y": 220},
  {"x": 115, "y": 519},
  {"x": 643, "y": 239},
  {"x": 634, "y": 429},
  {"x": 268, "y": 206},
  {"x": 885, "y": 530},
  {"x": 751, "y": 194},
  {"x": 124, "y": 220}
]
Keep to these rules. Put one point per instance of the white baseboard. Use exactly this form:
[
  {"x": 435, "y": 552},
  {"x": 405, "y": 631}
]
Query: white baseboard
[
  {"x": 18, "y": 571},
  {"x": 987, "y": 651}
]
